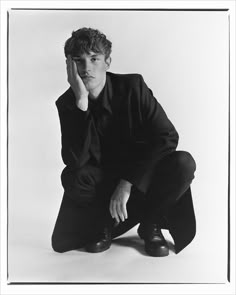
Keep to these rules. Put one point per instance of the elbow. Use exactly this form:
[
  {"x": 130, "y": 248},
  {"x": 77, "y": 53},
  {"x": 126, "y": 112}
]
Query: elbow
[{"x": 176, "y": 138}]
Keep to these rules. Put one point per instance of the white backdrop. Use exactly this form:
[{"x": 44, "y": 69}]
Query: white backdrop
[{"x": 183, "y": 57}]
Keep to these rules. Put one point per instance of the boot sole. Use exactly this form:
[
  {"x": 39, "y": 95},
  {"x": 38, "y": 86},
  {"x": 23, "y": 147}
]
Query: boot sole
[
  {"x": 160, "y": 252},
  {"x": 93, "y": 250}
]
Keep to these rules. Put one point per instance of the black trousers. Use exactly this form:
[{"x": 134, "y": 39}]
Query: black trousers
[{"x": 85, "y": 205}]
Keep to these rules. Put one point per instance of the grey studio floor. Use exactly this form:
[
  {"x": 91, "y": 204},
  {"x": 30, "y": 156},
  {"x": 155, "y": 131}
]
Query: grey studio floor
[{"x": 31, "y": 258}]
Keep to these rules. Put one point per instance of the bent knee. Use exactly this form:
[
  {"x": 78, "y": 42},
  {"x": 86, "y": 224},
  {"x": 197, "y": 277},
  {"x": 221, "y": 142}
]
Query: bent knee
[
  {"x": 66, "y": 242},
  {"x": 58, "y": 245},
  {"x": 185, "y": 162},
  {"x": 89, "y": 176}
]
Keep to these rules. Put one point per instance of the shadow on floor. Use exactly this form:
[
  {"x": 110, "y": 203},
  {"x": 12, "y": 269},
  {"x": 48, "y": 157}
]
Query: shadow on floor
[{"x": 136, "y": 243}]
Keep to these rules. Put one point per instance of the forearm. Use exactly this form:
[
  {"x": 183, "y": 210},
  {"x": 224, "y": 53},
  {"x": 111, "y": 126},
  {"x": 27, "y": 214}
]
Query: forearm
[
  {"x": 81, "y": 102},
  {"x": 75, "y": 129}
]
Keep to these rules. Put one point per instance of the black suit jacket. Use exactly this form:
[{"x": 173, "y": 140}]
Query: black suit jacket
[{"x": 143, "y": 135}]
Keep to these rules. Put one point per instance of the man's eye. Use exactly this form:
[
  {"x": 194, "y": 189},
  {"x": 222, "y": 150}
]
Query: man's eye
[{"x": 94, "y": 59}]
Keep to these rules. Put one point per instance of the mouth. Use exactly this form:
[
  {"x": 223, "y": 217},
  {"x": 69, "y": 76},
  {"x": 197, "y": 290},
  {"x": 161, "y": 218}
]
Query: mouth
[{"x": 87, "y": 77}]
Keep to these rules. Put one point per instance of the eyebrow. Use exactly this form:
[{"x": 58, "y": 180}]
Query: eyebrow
[{"x": 92, "y": 55}]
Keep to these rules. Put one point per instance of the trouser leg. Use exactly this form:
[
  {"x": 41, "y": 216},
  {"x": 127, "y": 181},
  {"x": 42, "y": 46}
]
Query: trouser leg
[
  {"x": 74, "y": 225},
  {"x": 84, "y": 208},
  {"x": 85, "y": 205},
  {"x": 172, "y": 178}
]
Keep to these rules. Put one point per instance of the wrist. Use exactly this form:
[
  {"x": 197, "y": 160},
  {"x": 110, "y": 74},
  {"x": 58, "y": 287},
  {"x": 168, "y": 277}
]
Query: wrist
[
  {"x": 82, "y": 103},
  {"x": 126, "y": 184}
]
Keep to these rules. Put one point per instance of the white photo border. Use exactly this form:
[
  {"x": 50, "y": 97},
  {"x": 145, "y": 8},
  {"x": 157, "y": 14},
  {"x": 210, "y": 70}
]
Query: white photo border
[{"x": 6, "y": 287}]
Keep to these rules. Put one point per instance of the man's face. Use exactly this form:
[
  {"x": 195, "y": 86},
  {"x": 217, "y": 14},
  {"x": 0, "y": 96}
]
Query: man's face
[{"x": 92, "y": 69}]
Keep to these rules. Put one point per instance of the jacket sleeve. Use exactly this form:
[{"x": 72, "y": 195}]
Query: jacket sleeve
[
  {"x": 159, "y": 137},
  {"x": 75, "y": 136}
]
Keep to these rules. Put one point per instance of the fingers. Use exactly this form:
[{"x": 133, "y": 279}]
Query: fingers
[
  {"x": 113, "y": 211},
  {"x": 124, "y": 211},
  {"x": 118, "y": 211},
  {"x": 72, "y": 73},
  {"x": 69, "y": 68},
  {"x": 74, "y": 69}
]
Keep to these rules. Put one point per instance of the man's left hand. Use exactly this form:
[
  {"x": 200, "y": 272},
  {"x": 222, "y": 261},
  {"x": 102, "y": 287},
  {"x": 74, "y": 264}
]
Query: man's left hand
[{"x": 119, "y": 200}]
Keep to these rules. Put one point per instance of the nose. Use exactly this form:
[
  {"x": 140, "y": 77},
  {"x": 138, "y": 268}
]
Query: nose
[{"x": 87, "y": 66}]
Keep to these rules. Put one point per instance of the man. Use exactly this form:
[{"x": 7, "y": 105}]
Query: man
[{"x": 119, "y": 148}]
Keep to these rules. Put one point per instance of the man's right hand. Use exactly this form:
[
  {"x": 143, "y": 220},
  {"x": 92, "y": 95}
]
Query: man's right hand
[{"x": 77, "y": 85}]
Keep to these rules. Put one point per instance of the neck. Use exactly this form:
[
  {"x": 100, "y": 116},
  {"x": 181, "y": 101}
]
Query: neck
[{"x": 94, "y": 93}]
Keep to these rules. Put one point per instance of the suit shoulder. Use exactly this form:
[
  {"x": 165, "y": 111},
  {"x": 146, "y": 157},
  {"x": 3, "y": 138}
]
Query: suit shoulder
[
  {"x": 64, "y": 99},
  {"x": 126, "y": 79}
]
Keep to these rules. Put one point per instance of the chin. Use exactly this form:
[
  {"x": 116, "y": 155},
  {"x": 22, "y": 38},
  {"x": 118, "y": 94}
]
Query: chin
[
  {"x": 89, "y": 88},
  {"x": 89, "y": 84}
]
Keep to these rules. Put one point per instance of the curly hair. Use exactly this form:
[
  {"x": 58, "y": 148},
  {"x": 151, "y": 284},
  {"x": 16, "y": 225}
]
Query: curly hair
[{"x": 86, "y": 40}]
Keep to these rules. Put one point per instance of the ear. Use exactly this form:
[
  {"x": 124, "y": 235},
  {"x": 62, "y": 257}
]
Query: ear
[{"x": 108, "y": 62}]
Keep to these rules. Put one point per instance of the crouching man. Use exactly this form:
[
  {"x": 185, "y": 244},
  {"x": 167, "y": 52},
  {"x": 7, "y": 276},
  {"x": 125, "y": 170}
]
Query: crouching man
[{"x": 119, "y": 148}]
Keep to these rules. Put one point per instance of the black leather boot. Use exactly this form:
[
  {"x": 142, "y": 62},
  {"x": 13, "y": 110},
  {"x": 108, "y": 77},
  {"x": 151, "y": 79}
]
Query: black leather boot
[
  {"x": 101, "y": 243},
  {"x": 155, "y": 243}
]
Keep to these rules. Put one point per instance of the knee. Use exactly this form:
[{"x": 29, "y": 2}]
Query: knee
[
  {"x": 57, "y": 245},
  {"x": 83, "y": 178},
  {"x": 185, "y": 163},
  {"x": 89, "y": 176}
]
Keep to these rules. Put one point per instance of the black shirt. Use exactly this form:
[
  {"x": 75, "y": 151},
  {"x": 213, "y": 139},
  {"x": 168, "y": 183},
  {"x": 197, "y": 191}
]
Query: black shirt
[{"x": 103, "y": 128}]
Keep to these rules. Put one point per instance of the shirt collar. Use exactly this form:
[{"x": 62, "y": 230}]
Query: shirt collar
[{"x": 104, "y": 98}]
